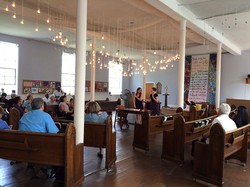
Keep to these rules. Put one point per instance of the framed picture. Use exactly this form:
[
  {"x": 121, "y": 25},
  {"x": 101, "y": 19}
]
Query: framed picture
[{"x": 34, "y": 90}]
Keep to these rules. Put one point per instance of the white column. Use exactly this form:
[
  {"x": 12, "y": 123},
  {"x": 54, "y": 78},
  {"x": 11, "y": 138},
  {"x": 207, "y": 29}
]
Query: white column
[
  {"x": 181, "y": 64},
  {"x": 93, "y": 64},
  {"x": 81, "y": 35},
  {"x": 144, "y": 77},
  {"x": 218, "y": 76}
]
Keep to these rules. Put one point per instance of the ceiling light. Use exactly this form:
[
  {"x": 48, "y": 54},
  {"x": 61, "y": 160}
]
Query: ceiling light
[
  {"x": 22, "y": 22},
  {"x": 48, "y": 20},
  {"x": 7, "y": 8},
  {"x": 36, "y": 29},
  {"x": 49, "y": 29},
  {"x": 14, "y": 15}
]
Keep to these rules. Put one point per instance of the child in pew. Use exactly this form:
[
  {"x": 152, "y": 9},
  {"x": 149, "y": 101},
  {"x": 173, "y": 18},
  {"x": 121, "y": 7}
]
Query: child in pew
[
  {"x": 3, "y": 124},
  {"x": 93, "y": 114}
]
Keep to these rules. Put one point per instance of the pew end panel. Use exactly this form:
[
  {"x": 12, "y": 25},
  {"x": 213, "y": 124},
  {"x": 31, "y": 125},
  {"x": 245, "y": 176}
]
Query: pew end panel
[
  {"x": 209, "y": 158},
  {"x": 33, "y": 147},
  {"x": 102, "y": 135},
  {"x": 141, "y": 133}
]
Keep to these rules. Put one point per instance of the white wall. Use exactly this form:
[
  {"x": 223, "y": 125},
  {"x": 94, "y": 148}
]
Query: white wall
[
  {"x": 168, "y": 77},
  {"x": 233, "y": 76},
  {"x": 42, "y": 61}
]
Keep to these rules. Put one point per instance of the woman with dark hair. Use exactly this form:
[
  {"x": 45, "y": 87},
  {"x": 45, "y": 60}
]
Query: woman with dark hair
[
  {"x": 64, "y": 108},
  {"x": 18, "y": 105},
  {"x": 241, "y": 118},
  {"x": 138, "y": 99},
  {"x": 154, "y": 103}
]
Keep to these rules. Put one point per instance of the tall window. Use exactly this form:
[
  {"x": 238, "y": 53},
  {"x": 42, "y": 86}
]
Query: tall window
[
  {"x": 8, "y": 66},
  {"x": 68, "y": 73},
  {"x": 115, "y": 78}
]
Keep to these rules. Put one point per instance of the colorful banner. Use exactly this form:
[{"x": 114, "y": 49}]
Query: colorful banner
[{"x": 199, "y": 78}]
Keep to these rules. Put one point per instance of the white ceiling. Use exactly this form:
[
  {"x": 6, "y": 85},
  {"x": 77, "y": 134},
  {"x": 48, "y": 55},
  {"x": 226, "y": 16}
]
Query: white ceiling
[{"x": 136, "y": 26}]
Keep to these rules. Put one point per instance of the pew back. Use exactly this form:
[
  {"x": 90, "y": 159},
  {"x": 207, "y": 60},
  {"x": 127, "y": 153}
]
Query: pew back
[
  {"x": 150, "y": 125},
  {"x": 183, "y": 132},
  {"x": 33, "y": 148},
  {"x": 102, "y": 135},
  {"x": 209, "y": 158}
]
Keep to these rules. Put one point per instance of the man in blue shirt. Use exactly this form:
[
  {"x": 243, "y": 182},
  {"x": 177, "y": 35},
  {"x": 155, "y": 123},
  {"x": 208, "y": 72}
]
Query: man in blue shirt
[{"x": 37, "y": 120}]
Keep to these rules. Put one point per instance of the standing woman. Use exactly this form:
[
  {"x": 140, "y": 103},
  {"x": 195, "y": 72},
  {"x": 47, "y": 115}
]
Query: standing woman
[
  {"x": 138, "y": 99},
  {"x": 138, "y": 104},
  {"x": 154, "y": 103}
]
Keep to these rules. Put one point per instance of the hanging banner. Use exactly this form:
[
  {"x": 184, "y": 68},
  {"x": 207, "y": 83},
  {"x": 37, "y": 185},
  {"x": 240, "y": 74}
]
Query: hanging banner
[{"x": 199, "y": 78}]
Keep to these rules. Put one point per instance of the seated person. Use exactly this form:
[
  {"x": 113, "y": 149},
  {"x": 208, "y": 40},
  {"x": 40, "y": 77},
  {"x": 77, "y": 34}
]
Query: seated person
[
  {"x": 64, "y": 107},
  {"x": 11, "y": 101},
  {"x": 46, "y": 98},
  {"x": 223, "y": 119},
  {"x": 37, "y": 120},
  {"x": 27, "y": 103},
  {"x": 18, "y": 105},
  {"x": 4, "y": 100},
  {"x": 52, "y": 100},
  {"x": 241, "y": 118},
  {"x": 93, "y": 114},
  {"x": 3, "y": 124}
]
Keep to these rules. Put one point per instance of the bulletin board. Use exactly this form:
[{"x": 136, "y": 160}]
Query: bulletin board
[
  {"x": 39, "y": 86},
  {"x": 99, "y": 86}
]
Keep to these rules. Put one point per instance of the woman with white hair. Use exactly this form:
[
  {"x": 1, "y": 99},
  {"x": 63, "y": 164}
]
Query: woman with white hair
[{"x": 223, "y": 118}]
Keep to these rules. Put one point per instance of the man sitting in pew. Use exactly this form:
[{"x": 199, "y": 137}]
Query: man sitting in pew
[{"x": 37, "y": 120}]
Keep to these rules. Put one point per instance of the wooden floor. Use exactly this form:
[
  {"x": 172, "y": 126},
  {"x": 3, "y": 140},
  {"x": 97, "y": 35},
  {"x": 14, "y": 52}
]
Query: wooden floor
[{"x": 134, "y": 168}]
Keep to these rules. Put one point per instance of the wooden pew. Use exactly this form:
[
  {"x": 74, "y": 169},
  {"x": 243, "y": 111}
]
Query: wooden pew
[
  {"x": 183, "y": 132},
  {"x": 150, "y": 125},
  {"x": 102, "y": 135},
  {"x": 14, "y": 117},
  {"x": 209, "y": 158},
  {"x": 33, "y": 148},
  {"x": 53, "y": 110}
]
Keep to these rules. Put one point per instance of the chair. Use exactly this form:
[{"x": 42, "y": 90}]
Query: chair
[{"x": 14, "y": 117}]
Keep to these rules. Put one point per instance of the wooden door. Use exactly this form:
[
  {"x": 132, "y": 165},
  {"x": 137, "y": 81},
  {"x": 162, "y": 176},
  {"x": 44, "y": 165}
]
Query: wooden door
[{"x": 149, "y": 89}]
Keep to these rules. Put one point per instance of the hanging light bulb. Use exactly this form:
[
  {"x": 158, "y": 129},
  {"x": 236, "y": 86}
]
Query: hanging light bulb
[
  {"x": 7, "y": 8},
  {"x": 48, "y": 21},
  {"x": 13, "y": 4},
  {"x": 14, "y": 15},
  {"x": 102, "y": 37},
  {"x": 22, "y": 22},
  {"x": 36, "y": 29},
  {"x": 38, "y": 11},
  {"x": 49, "y": 29}
]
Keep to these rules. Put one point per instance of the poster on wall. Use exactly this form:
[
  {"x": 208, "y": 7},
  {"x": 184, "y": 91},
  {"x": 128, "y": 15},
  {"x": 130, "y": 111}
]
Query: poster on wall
[{"x": 199, "y": 78}]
